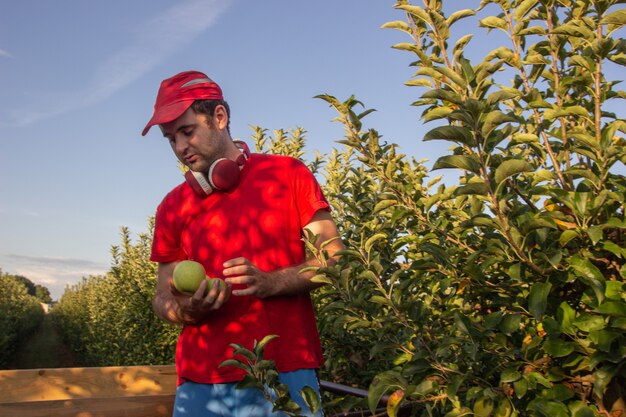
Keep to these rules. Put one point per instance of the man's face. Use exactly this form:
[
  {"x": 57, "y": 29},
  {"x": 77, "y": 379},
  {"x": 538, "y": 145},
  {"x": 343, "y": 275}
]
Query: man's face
[{"x": 196, "y": 141}]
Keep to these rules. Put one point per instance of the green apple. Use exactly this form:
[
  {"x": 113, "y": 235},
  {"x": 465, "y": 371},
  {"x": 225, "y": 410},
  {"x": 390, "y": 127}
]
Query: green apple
[
  {"x": 220, "y": 282},
  {"x": 188, "y": 275}
]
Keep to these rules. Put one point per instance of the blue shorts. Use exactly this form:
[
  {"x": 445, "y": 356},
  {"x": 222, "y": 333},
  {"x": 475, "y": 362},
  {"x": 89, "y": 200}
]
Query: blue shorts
[{"x": 225, "y": 400}]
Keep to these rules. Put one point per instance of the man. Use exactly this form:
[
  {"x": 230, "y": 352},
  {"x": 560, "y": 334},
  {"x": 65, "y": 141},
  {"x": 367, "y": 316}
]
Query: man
[{"x": 243, "y": 217}]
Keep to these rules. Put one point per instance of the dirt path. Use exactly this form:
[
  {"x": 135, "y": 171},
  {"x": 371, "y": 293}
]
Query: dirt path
[{"x": 44, "y": 348}]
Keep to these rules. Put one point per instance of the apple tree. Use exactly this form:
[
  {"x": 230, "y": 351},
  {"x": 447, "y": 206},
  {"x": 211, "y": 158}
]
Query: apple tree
[{"x": 503, "y": 294}]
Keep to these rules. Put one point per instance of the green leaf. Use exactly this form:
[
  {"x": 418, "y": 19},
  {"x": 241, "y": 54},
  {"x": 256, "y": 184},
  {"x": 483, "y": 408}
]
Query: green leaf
[
  {"x": 443, "y": 95},
  {"x": 483, "y": 407},
  {"x": 558, "y": 348},
  {"x": 549, "y": 408},
  {"x": 504, "y": 408},
  {"x": 451, "y": 75},
  {"x": 425, "y": 387},
  {"x": 416, "y": 11},
  {"x": 566, "y": 315},
  {"x": 615, "y": 290},
  {"x": 419, "y": 82},
  {"x": 520, "y": 387},
  {"x": 510, "y": 323},
  {"x": 538, "y": 299},
  {"x": 472, "y": 189},
  {"x": 460, "y": 44},
  {"x": 579, "y": 409},
  {"x": 311, "y": 399},
  {"x": 617, "y": 18},
  {"x": 612, "y": 308},
  {"x": 484, "y": 220},
  {"x": 377, "y": 299},
  {"x": 604, "y": 338},
  {"x": 510, "y": 375},
  {"x": 502, "y": 95},
  {"x": 467, "y": 163},
  {"x": 568, "y": 235},
  {"x": 383, "y": 382},
  {"x": 436, "y": 113},
  {"x": 573, "y": 30},
  {"x": 493, "y": 22},
  {"x": 249, "y": 381},
  {"x": 460, "y": 14},
  {"x": 532, "y": 30},
  {"x": 398, "y": 25},
  {"x": 523, "y": 8},
  {"x": 493, "y": 120},
  {"x": 614, "y": 248},
  {"x": 595, "y": 234},
  {"x": 588, "y": 322},
  {"x": 589, "y": 274},
  {"x": 602, "y": 378},
  {"x": 260, "y": 346},
  {"x": 451, "y": 133},
  {"x": 373, "y": 239},
  {"x": 235, "y": 363},
  {"x": 511, "y": 167},
  {"x": 240, "y": 350},
  {"x": 384, "y": 204},
  {"x": 322, "y": 279}
]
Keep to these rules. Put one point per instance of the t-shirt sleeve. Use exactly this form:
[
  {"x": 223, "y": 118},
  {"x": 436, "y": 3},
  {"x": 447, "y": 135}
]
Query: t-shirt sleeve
[
  {"x": 308, "y": 194},
  {"x": 166, "y": 245}
]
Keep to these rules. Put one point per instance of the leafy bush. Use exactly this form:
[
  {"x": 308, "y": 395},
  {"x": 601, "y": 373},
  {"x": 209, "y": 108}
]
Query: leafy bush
[
  {"x": 109, "y": 319},
  {"x": 20, "y": 314},
  {"x": 504, "y": 294}
]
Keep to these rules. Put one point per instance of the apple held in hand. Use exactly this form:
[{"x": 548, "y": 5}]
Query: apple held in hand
[
  {"x": 188, "y": 275},
  {"x": 220, "y": 283}
]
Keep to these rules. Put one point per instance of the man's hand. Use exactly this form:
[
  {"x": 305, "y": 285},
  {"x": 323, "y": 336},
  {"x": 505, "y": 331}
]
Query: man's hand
[
  {"x": 197, "y": 307},
  {"x": 242, "y": 271},
  {"x": 287, "y": 281}
]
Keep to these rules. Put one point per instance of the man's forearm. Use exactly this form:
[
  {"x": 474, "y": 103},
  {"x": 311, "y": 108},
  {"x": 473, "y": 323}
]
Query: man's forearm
[
  {"x": 167, "y": 309},
  {"x": 293, "y": 280}
]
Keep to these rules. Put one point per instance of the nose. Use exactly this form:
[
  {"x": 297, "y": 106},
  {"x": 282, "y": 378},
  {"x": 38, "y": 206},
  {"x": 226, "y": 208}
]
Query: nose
[{"x": 182, "y": 143}]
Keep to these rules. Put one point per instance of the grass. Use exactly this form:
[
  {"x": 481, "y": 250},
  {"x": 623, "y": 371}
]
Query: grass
[{"x": 44, "y": 348}]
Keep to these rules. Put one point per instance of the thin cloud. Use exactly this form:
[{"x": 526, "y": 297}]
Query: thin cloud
[
  {"x": 152, "y": 42},
  {"x": 5, "y": 53},
  {"x": 70, "y": 263},
  {"x": 54, "y": 273}
]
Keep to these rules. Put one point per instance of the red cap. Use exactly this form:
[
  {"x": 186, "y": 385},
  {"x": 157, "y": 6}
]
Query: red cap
[{"x": 177, "y": 93}]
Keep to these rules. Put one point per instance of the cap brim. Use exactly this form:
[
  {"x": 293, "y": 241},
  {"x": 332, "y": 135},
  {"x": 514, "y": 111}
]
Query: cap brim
[{"x": 167, "y": 114}]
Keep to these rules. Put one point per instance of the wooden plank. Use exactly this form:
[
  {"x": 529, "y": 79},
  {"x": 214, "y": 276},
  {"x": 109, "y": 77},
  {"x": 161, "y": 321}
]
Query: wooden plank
[
  {"x": 69, "y": 383},
  {"x": 141, "y": 406}
]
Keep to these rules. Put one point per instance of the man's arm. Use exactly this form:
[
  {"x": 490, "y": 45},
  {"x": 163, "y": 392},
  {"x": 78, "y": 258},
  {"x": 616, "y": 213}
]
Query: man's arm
[
  {"x": 290, "y": 280},
  {"x": 179, "y": 308}
]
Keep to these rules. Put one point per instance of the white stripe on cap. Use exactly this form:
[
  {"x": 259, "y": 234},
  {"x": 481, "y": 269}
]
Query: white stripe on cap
[{"x": 197, "y": 81}]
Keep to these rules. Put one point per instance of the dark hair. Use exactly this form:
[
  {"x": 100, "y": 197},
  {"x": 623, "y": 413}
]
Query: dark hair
[{"x": 207, "y": 107}]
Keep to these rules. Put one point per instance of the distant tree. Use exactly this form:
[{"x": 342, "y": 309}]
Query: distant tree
[
  {"x": 36, "y": 290},
  {"x": 30, "y": 285},
  {"x": 42, "y": 294}
]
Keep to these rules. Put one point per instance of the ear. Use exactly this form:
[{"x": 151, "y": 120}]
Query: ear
[{"x": 220, "y": 117}]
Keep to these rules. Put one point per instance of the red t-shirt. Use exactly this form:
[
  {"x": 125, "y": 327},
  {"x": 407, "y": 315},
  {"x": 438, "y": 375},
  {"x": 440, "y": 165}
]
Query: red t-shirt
[{"x": 261, "y": 220}]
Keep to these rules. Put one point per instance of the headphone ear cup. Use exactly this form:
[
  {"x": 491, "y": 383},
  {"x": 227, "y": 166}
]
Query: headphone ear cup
[
  {"x": 224, "y": 174},
  {"x": 198, "y": 183}
]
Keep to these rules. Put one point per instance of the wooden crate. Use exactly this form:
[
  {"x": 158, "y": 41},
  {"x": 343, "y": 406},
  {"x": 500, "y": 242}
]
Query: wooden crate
[{"x": 138, "y": 391}]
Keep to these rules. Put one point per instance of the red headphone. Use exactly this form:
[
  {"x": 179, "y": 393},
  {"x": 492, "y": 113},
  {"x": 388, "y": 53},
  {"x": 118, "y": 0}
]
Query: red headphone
[{"x": 223, "y": 174}]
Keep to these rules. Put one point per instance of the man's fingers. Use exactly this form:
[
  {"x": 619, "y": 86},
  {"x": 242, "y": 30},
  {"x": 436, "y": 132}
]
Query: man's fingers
[
  {"x": 244, "y": 269},
  {"x": 241, "y": 279},
  {"x": 245, "y": 291},
  {"x": 235, "y": 262}
]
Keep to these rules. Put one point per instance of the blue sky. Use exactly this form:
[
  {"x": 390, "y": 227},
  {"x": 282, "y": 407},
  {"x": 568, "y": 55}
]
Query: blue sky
[{"x": 79, "y": 81}]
